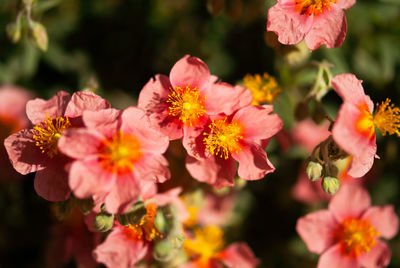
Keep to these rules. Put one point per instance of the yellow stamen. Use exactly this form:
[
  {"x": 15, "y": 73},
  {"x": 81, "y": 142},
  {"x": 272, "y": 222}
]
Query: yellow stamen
[
  {"x": 205, "y": 245},
  {"x": 119, "y": 153},
  {"x": 186, "y": 104},
  {"x": 48, "y": 133},
  {"x": 145, "y": 229},
  {"x": 224, "y": 138},
  {"x": 387, "y": 118},
  {"x": 356, "y": 237},
  {"x": 313, "y": 7},
  {"x": 264, "y": 89}
]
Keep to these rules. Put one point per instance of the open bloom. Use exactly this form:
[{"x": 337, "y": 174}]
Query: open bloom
[
  {"x": 354, "y": 128},
  {"x": 347, "y": 234},
  {"x": 117, "y": 156},
  {"x": 241, "y": 137},
  {"x": 206, "y": 250},
  {"x": 319, "y": 22},
  {"x": 181, "y": 104},
  {"x": 35, "y": 149}
]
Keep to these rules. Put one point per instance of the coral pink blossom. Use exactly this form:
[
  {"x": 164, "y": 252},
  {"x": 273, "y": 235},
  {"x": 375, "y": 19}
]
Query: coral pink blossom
[
  {"x": 347, "y": 234},
  {"x": 116, "y": 157},
  {"x": 241, "y": 137},
  {"x": 35, "y": 149},
  {"x": 12, "y": 119},
  {"x": 181, "y": 104},
  {"x": 319, "y": 22}
]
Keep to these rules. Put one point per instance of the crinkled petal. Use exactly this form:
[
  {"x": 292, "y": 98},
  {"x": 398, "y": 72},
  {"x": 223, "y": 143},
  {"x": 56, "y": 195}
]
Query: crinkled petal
[
  {"x": 361, "y": 164},
  {"x": 51, "y": 183},
  {"x": 238, "y": 255},
  {"x": 384, "y": 219},
  {"x": 190, "y": 71},
  {"x": 349, "y": 88},
  {"x": 85, "y": 101},
  {"x": 37, "y": 109},
  {"x": 152, "y": 167},
  {"x": 351, "y": 201},
  {"x": 105, "y": 121},
  {"x": 345, "y": 4},
  {"x": 316, "y": 229},
  {"x": 79, "y": 143},
  {"x": 334, "y": 258},
  {"x": 378, "y": 257},
  {"x": 193, "y": 139},
  {"x": 329, "y": 29}
]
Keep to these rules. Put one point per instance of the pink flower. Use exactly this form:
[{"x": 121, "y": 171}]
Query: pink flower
[
  {"x": 347, "y": 234},
  {"x": 241, "y": 137},
  {"x": 117, "y": 157},
  {"x": 35, "y": 149},
  {"x": 206, "y": 250},
  {"x": 12, "y": 119},
  {"x": 181, "y": 104},
  {"x": 354, "y": 129},
  {"x": 319, "y": 22}
]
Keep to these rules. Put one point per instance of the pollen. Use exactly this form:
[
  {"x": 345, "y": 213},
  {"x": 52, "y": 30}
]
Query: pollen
[
  {"x": 186, "y": 104},
  {"x": 47, "y": 133},
  {"x": 224, "y": 138},
  {"x": 119, "y": 153},
  {"x": 313, "y": 7},
  {"x": 387, "y": 118},
  {"x": 145, "y": 229},
  {"x": 356, "y": 237},
  {"x": 207, "y": 242},
  {"x": 263, "y": 88}
]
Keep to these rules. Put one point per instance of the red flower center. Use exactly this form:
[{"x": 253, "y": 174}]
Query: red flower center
[{"x": 313, "y": 7}]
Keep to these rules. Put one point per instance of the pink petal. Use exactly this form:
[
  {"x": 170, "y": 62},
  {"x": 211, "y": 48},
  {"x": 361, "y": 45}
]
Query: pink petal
[
  {"x": 172, "y": 197},
  {"x": 136, "y": 123},
  {"x": 104, "y": 121},
  {"x": 334, "y": 258},
  {"x": 258, "y": 123},
  {"x": 308, "y": 192},
  {"x": 238, "y": 255},
  {"x": 225, "y": 98},
  {"x": 212, "y": 170},
  {"x": 345, "y": 4},
  {"x": 361, "y": 164},
  {"x": 152, "y": 167},
  {"x": 379, "y": 256},
  {"x": 193, "y": 139},
  {"x": 384, "y": 219},
  {"x": 51, "y": 183},
  {"x": 328, "y": 28},
  {"x": 287, "y": 23},
  {"x": 79, "y": 142},
  {"x": 316, "y": 229},
  {"x": 190, "y": 71},
  {"x": 309, "y": 134},
  {"x": 253, "y": 163},
  {"x": 36, "y": 109},
  {"x": 24, "y": 155},
  {"x": 85, "y": 101},
  {"x": 349, "y": 88},
  {"x": 13, "y": 101},
  {"x": 351, "y": 201}
]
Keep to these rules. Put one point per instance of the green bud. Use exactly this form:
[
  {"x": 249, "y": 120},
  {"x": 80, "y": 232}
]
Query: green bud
[
  {"x": 103, "y": 222},
  {"x": 134, "y": 215},
  {"x": 163, "y": 250},
  {"x": 160, "y": 222},
  {"x": 14, "y": 31},
  {"x": 39, "y": 35},
  {"x": 330, "y": 185},
  {"x": 84, "y": 205},
  {"x": 314, "y": 171}
]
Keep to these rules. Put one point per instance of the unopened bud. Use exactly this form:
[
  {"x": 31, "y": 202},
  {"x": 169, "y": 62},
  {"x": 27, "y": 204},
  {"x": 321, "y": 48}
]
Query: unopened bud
[
  {"x": 103, "y": 222},
  {"x": 39, "y": 35},
  {"x": 134, "y": 215},
  {"x": 163, "y": 250},
  {"x": 330, "y": 185},
  {"x": 314, "y": 171},
  {"x": 14, "y": 31}
]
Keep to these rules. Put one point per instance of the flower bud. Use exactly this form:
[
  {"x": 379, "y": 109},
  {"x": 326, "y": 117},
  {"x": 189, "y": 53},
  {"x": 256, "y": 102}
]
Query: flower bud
[
  {"x": 39, "y": 35},
  {"x": 163, "y": 250},
  {"x": 103, "y": 222},
  {"x": 314, "y": 171},
  {"x": 134, "y": 215},
  {"x": 84, "y": 205},
  {"x": 330, "y": 185}
]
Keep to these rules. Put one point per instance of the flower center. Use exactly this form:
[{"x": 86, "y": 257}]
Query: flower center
[
  {"x": 186, "y": 104},
  {"x": 313, "y": 7},
  {"x": 48, "y": 133},
  {"x": 356, "y": 237},
  {"x": 387, "y": 118},
  {"x": 365, "y": 122},
  {"x": 224, "y": 138},
  {"x": 119, "y": 153},
  {"x": 264, "y": 89},
  {"x": 145, "y": 229},
  {"x": 206, "y": 244}
]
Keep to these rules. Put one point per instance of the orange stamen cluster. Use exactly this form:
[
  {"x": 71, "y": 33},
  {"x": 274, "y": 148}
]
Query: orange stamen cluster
[
  {"x": 356, "y": 237},
  {"x": 119, "y": 153},
  {"x": 47, "y": 134},
  {"x": 224, "y": 138},
  {"x": 387, "y": 118},
  {"x": 145, "y": 229},
  {"x": 313, "y": 7},
  {"x": 264, "y": 88},
  {"x": 186, "y": 104}
]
